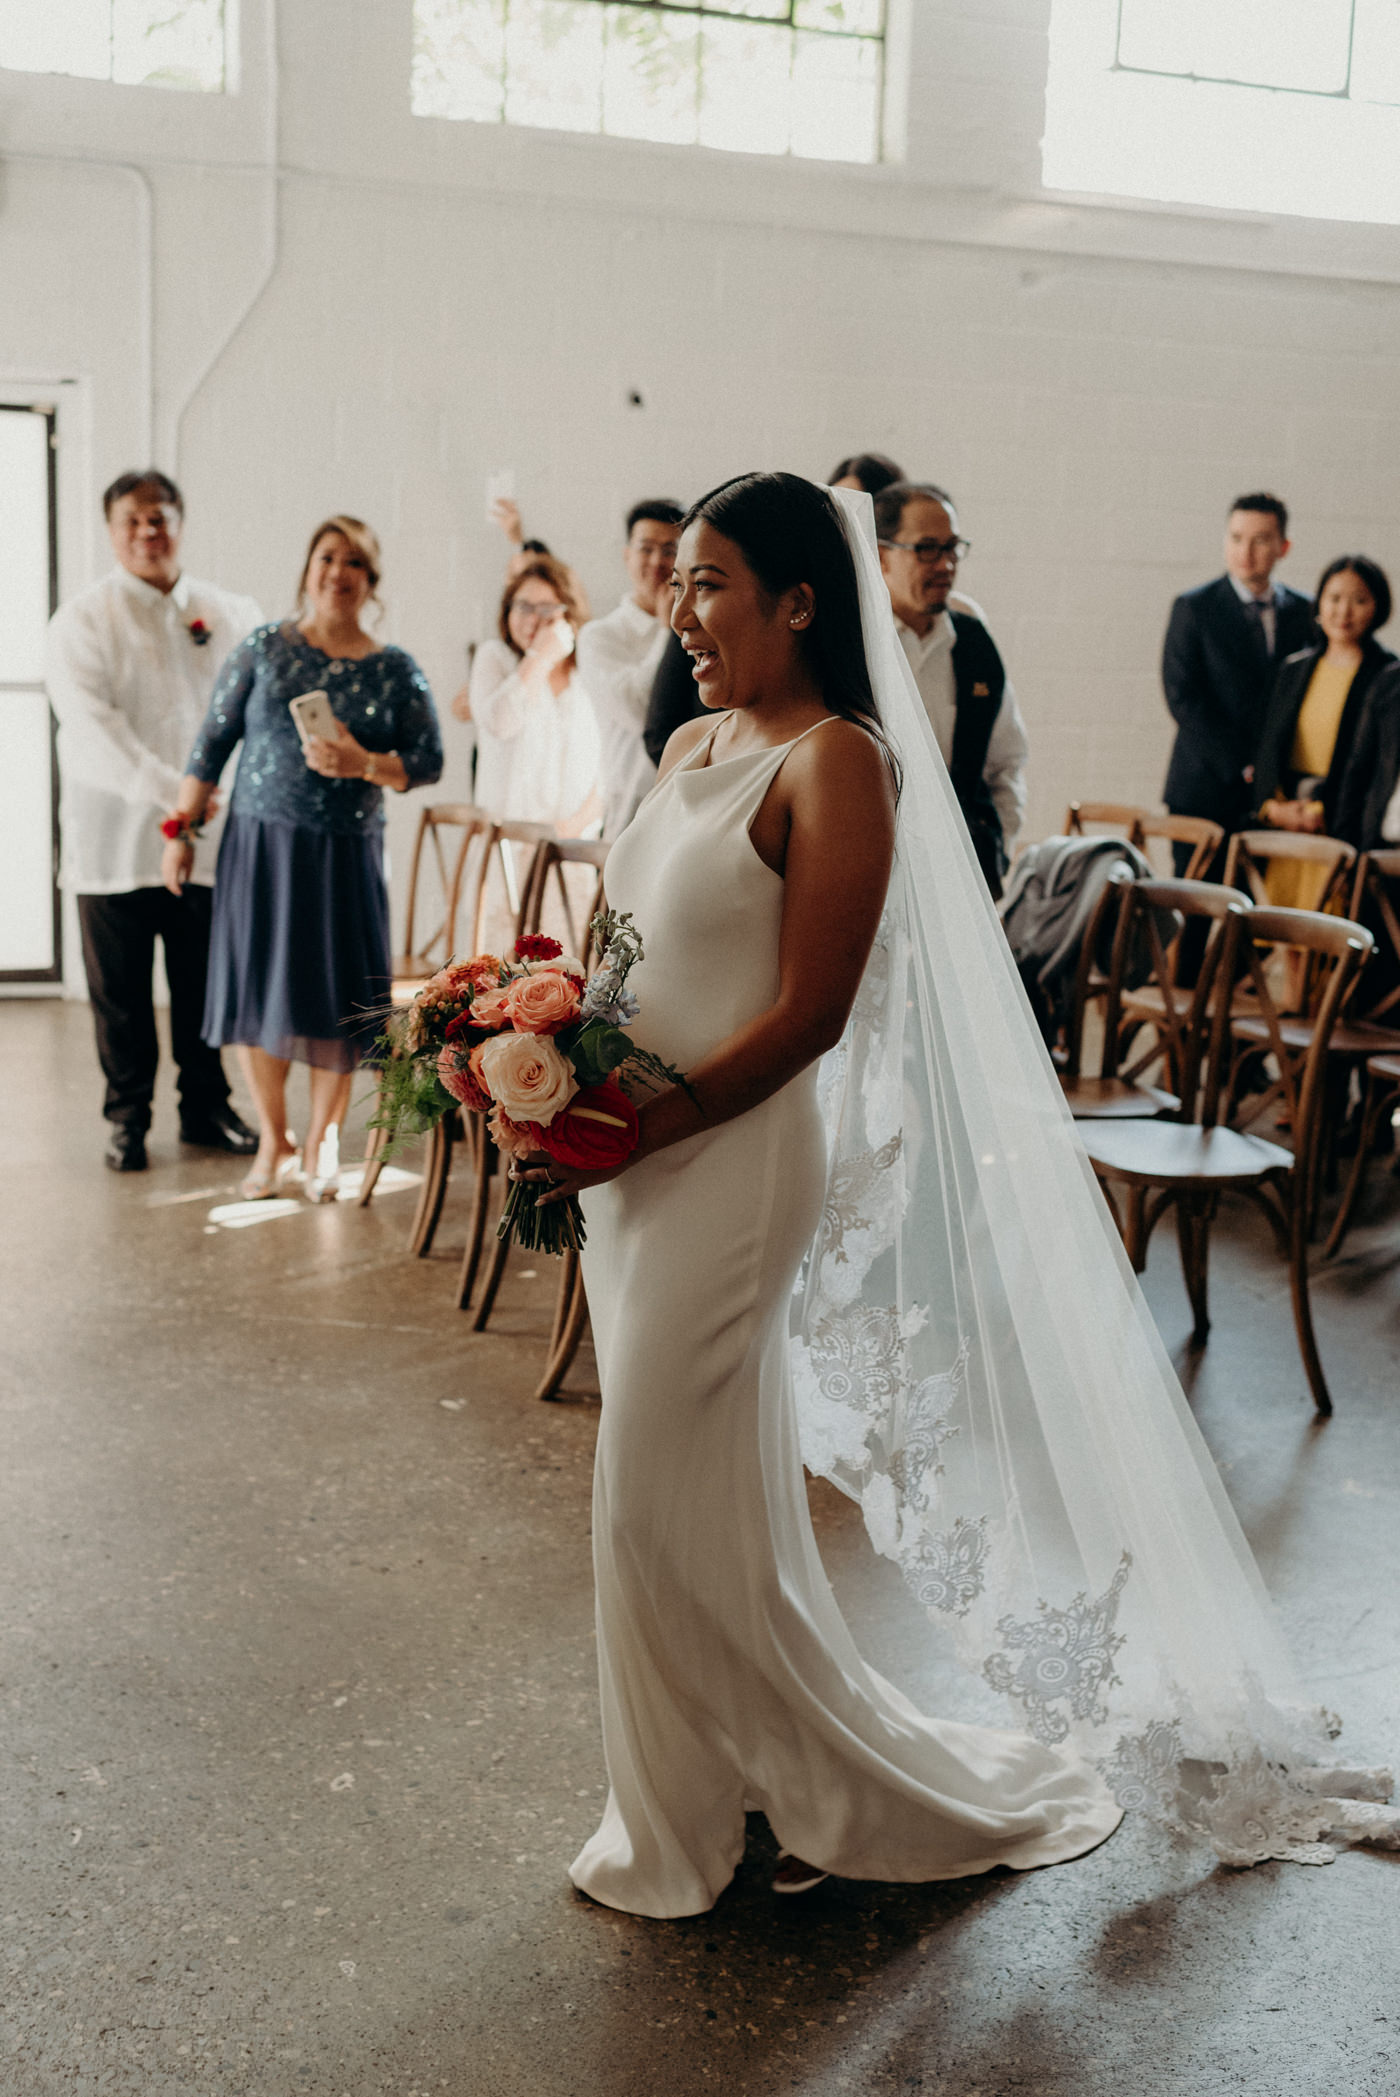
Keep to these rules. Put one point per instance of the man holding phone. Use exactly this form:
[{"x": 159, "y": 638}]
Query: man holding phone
[{"x": 131, "y": 667}]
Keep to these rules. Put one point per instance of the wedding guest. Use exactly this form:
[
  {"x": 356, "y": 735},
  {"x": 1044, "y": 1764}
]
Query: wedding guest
[
  {"x": 675, "y": 698},
  {"x": 1224, "y": 640},
  {"x": 868, "y": 470},
  {"x": 1368, "y": 802},
  {"x": 620, "y": 653},
  {"x": 1308, "y": 743},
  {"x": 299, "y": 958},
  {"x": 131, "y": 664},
  {"x": 957, "y": 667},
  {"x": 537, "y": 740}
]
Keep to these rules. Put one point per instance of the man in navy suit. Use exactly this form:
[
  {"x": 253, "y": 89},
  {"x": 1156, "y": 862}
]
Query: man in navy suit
[{"x": 1224, "y": 641}]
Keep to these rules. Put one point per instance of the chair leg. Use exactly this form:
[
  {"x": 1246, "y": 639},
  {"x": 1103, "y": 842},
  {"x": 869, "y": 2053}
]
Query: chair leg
[
  {"x": 437, "y": 1166},
  {"x": 569, "y": 1330},
  {"x": 1302, "y": 1303},
  {"x": 1376, "y": 1097},
  {"x": 374, "y": 1164},
  {"x": 1135, "y": 1235},
  {"x": 495, "y": 1274},
  {"x": 1193, "y": 1220},
  {"x": 484, "y": 1156}
]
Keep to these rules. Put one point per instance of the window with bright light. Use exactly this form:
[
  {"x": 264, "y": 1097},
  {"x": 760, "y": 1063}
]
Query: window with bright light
[
  {"x": 1262, "y": 105},
  {"x": 751, "y": 76},
  {"x": 138, "y": 43}
]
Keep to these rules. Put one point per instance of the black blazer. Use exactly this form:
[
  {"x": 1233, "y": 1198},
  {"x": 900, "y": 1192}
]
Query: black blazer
[
  {"x": 1373, "y": 773},
  {"x": 675, "y": 698},
  {"x": 1274, "y": 774},
  {"x": 1217, "y": 677}
]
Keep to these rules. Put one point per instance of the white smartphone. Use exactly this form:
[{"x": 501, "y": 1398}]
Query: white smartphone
[
  {"x": 313, "y": 714},
  {"x": 500, "y": 487}
]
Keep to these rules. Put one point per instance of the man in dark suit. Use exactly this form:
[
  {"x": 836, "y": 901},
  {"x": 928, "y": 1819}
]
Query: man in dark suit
[{"x": 1224, "y": 639}]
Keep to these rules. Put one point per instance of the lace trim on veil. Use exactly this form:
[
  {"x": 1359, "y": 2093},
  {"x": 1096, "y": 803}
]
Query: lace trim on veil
[{"x": 974, "y": 1363}]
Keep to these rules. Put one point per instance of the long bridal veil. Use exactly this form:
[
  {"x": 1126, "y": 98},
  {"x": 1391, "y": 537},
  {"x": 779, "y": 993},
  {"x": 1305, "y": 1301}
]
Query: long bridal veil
[{"x": 975, "y": 1364}]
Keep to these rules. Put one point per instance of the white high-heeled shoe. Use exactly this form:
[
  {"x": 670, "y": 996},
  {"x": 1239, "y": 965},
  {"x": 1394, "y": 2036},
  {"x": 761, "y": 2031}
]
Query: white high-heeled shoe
[
  {"x": 264, "y": 1181},
  {"x": 324, "y": 1183}
]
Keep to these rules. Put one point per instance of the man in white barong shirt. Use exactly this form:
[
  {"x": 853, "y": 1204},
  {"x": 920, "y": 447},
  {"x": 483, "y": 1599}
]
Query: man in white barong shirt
[
  {"x": 132, "y": 663},
  {"x": 920, "y": 548},
  {"x": 618, "y": 657}
]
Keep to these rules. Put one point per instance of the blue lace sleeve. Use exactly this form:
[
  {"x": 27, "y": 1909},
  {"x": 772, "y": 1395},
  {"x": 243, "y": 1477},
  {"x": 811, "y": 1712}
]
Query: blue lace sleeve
[
  {"x": 419, "y": 740},
  {"x": 224, "y": 723}
]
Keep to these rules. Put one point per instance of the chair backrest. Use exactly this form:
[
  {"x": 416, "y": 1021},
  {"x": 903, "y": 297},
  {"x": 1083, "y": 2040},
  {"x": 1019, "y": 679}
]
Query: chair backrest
[
  {"x": 1121, "y": 818},
  {"x": 1204, "y": 837},
  {"x": 1088, "y": 979},
  {"x": 1336, "y": 948},
  {"x": 502, "y": 918},
  {"x": 1375, "y": 902},
  {"x": 435, "y": 825},
  {"x": 1252, "y": 852},
  {"x": 577, "y": 911},
  {"x": 1181, "y": 1017}
]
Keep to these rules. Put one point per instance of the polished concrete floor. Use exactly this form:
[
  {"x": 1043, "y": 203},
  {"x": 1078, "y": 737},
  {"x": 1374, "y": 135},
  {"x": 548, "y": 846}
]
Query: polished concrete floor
[{"x": 300, "y": 1728}]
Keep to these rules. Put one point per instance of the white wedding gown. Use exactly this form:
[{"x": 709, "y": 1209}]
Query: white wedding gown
[{"x": 728, "y": 1678}]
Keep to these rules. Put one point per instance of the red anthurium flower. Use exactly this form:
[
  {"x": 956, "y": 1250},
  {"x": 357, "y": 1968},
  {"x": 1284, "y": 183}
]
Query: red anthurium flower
[{"x": 597, "y": 1129}]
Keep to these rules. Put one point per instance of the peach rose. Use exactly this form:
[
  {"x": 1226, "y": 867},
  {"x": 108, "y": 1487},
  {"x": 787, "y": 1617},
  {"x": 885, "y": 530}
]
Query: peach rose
[
  {"x": 509, "y": 1137},
  {"x": 526, "y": 1076},
  {"x": 542, "y": 1004},
  {"x": 491, "y": 1009}
]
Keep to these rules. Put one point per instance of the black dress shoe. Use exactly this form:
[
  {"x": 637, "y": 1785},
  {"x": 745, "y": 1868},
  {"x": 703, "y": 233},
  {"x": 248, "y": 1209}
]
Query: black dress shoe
[
  {"x": 126, "y": 1151},
  {"x": 222, "y": 1130}
]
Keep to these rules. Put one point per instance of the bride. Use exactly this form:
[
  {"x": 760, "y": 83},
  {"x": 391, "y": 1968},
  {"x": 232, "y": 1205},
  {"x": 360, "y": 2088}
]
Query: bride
[{"x": 863, "y": 1235}]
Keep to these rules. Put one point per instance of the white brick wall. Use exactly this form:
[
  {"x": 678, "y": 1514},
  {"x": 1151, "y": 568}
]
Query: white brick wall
[{"x": 450, "y": 299}]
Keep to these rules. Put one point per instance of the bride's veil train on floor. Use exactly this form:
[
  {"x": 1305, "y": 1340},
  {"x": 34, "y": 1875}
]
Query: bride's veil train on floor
[{"x": 975, "y": 1363}]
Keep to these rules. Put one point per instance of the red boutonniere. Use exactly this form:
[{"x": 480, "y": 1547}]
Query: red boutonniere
[{"x": 200, "y": 632}]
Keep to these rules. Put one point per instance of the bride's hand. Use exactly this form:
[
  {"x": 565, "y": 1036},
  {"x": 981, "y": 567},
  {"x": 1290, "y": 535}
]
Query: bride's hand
[{"x": 557, "y": 1182}]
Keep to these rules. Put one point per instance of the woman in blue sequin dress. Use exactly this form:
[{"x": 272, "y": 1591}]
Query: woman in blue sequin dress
[{"x": 299, "y": 953}]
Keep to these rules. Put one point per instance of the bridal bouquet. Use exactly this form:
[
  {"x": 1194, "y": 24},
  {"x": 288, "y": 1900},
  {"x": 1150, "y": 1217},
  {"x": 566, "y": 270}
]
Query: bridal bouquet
[{"x": 536, "y": 1049}]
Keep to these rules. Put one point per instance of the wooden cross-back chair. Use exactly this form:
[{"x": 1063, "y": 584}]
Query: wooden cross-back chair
[
  {"x": 1187, "y": 1165},
  {"x": 1375, "y": 903},
  {"x": 1253, "y": 852},
  {"x": 550, "y": 884},
  {"x": 1119, "y": 818},
  {"x": 426, "y": 952},
  {"x": 455, "y": 1127},
  {"x": 1174, "y": 1017},
  {"x": 1138, "y": 827},
  {"x": 571, "y": 1302},
  {"x": 1266, "y": 1045}
]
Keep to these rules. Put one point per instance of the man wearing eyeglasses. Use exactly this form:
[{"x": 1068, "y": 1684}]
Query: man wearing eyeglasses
[{"x": 960, "y": 674}]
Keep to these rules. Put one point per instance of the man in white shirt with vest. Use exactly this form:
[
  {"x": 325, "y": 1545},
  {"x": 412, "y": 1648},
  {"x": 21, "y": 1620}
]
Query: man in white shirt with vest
[
  {"x": 960, "y": 674},
  {"x": 618, "y": 657},
  {"x": 131, "y": 669}
]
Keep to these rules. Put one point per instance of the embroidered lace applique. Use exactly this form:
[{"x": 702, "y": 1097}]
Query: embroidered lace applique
[
  {"x": 1066, "y": 1657},
  {"x": 949, "y": 1572}
]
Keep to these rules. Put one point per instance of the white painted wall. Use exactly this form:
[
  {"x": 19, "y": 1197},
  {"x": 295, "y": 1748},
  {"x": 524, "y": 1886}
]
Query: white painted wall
[{"x": 404, "y": 306}]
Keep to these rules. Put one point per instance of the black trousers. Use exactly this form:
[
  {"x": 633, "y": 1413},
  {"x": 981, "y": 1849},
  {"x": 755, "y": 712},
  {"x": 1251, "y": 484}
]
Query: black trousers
[{"x": 119, "y": 945}]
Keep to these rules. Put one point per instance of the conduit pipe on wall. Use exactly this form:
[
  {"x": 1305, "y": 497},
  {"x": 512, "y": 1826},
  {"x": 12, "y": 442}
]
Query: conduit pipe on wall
[
  {"x": 172, "y": 425},
  {"x": 145, "y": 271}
]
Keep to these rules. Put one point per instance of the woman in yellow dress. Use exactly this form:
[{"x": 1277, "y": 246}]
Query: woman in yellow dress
[{"x": 1315, "y": 713}]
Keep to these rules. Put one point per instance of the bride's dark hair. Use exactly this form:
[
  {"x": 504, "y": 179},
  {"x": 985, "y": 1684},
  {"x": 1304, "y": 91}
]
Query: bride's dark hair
[{"x": 789, "y": 531}]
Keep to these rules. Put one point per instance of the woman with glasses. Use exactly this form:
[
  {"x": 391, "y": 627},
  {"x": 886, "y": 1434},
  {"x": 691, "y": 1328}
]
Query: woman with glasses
[{"x": 537, "y": 742}]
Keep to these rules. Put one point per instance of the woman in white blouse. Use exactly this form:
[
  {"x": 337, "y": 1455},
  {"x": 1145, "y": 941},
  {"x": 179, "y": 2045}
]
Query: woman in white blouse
[{"x": 537, "y": 741}]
